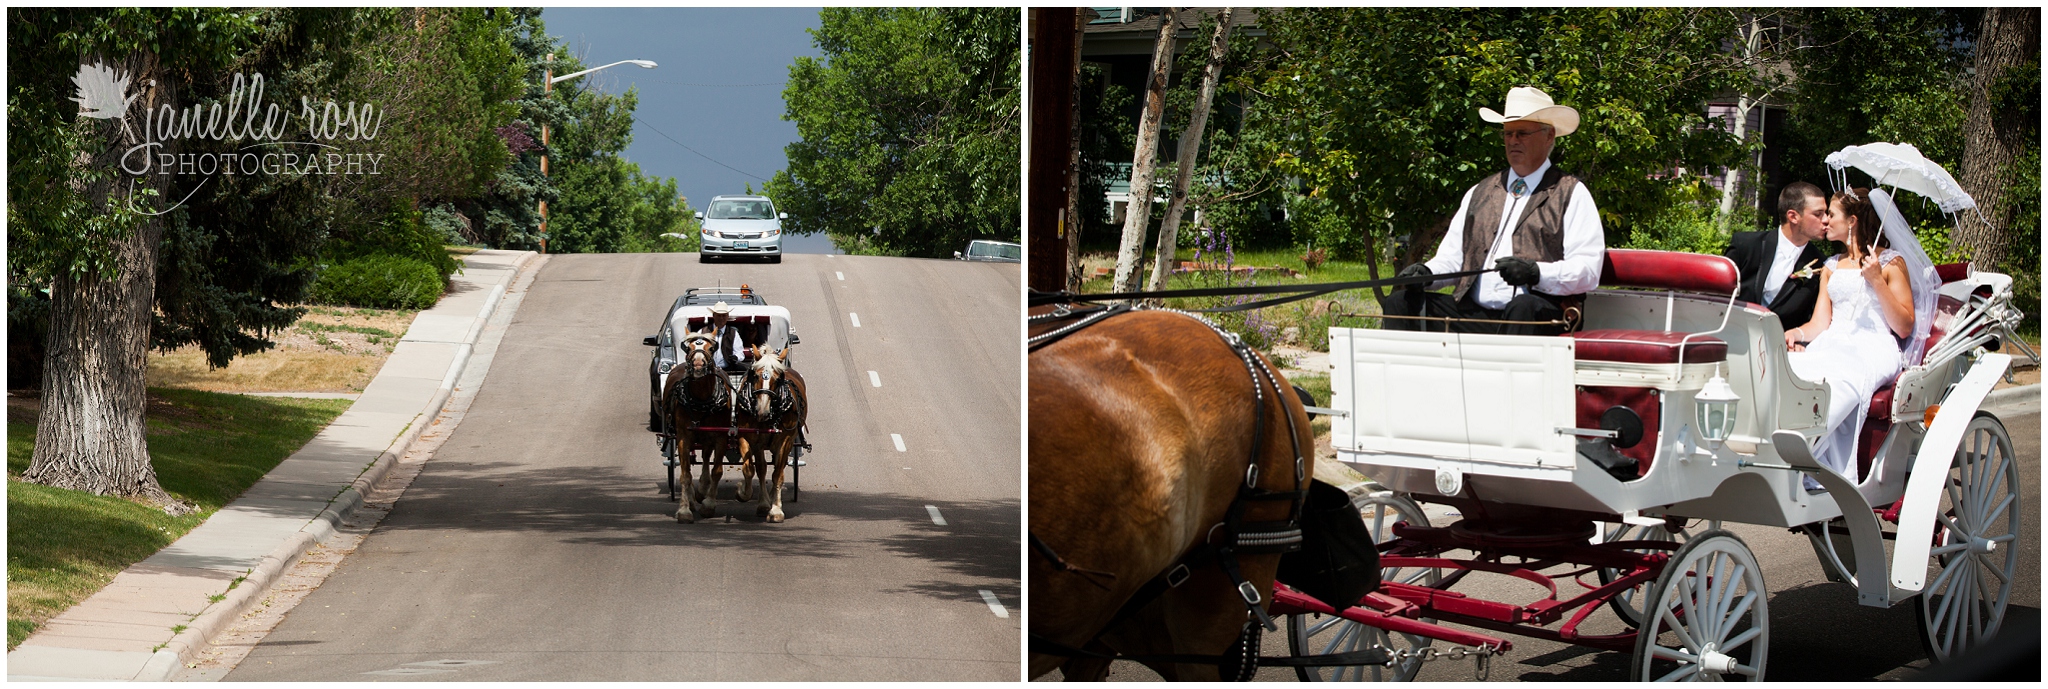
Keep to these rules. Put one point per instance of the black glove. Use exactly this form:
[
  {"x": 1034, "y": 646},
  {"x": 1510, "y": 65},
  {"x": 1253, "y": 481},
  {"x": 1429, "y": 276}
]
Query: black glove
[
  {"x": 1519, "y": 272},
  {"x": 1417, "y": 270}
]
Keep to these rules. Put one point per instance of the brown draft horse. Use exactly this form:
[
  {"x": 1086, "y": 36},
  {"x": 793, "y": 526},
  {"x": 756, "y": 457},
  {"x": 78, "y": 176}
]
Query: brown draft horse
[
  {"x": 779, "y": 406},
  {"x": 687, "y": 403},
  {"x": 1141, "y": 428}
]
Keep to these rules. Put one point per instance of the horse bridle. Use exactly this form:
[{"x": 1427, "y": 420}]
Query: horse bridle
[{"x": 1226, "y": 540}]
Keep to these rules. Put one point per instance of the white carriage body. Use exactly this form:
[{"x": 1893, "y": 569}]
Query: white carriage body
[
  {"x": 762, "y": 324},
  {"x": 1498, "y": 411}
]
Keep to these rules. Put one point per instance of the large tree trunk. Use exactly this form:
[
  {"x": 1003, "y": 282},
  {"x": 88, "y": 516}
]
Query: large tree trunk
[
  {"x": 1993, "y": 138},
  {"x": 1138, "y": 214},
  {"x": 91, "y": 435},
  {"x": 1190, "y": 150},
  {"x": 1073, "y": 214}
]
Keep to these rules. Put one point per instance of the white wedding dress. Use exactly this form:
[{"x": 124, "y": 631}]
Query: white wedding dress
[{"x": 1856, "y": 355}]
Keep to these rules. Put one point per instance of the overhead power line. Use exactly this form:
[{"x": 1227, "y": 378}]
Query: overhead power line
[{"x": 700, "y": 154}]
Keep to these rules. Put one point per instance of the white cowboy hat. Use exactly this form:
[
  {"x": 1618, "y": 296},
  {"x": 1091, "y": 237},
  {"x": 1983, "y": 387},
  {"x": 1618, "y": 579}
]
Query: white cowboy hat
[
  {"x": 720, "y": 309},
  {"x": 1530, "y": 104}
]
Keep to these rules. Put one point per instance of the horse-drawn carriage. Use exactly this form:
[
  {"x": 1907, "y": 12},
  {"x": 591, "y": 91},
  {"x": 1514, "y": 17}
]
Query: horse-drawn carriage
[
  {"x": 1599, "y": 465},
  {"x": 708, "y": 417}
]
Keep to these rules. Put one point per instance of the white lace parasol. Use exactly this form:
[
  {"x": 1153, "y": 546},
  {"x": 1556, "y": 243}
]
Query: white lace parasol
[{"x": 1901, "y": 166}]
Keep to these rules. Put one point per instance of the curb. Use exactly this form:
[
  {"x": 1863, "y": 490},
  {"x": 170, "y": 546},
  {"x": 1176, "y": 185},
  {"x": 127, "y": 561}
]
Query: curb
[
  {"x": 2020, "y": 399},
  {"x": 216, "y": 618}
]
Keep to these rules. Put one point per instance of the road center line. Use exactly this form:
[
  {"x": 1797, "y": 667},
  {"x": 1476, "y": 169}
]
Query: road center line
[
  {"x": 994, "y": 605},
  {"x": 855, "y": 317},
  {"x": 899, "y": 442},
  {"x": 876, "y": 379},
  {"x": 841, "y": 275},
  {"x": 936, "y": 519}
]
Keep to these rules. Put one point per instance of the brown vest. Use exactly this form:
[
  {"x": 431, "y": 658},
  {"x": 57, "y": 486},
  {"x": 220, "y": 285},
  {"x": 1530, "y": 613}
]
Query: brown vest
[{"x": 1538, "y": 237}]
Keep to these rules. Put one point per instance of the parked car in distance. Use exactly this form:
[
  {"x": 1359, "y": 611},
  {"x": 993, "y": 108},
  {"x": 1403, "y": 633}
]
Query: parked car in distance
[
  {"x": 992, "y": 251},
  {"x": 741, "y": 226}
]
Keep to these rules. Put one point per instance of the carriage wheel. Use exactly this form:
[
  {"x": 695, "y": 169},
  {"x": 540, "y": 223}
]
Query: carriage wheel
[
  {"x": 1311, "y": 634},
  {"x": 1628, "y": 605},
  {"x": 1974, "y": 553},
  {"x": 1712, "y": 622}
]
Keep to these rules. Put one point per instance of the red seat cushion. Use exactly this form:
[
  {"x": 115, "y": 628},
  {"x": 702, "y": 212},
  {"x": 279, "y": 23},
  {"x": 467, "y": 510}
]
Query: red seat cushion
[
  {"x": 1648, "y": 347},
  {"x": 1669, "y": 270},
  {"x": 1881, "y": 403}
]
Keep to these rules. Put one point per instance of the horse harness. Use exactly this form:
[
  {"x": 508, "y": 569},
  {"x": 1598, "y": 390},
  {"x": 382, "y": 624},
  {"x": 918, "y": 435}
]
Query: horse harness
[{"x": 1226, "y": 540}]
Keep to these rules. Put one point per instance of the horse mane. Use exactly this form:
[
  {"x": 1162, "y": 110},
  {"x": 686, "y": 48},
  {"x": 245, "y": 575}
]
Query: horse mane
[{"x": 769, "y": 364}]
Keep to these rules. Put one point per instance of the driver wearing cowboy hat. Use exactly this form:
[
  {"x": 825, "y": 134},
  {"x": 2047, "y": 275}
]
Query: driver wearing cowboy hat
[
  {"x": 732, "y": 349},
  {"x": 1533, "y": 222}
]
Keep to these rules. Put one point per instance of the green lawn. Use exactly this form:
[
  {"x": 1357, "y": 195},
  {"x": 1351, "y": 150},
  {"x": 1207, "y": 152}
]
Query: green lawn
[
  {"x": 1262, "y": 328},
  {"x": 63, "y": 546}
]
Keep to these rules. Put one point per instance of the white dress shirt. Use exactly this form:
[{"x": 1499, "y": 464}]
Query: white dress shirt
[
  {"x": 1577, "y": 272},
  {"x": 1782, "y": 263}
]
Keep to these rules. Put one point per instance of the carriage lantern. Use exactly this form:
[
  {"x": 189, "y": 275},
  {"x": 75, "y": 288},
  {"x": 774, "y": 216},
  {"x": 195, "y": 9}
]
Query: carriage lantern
[{"x": 1714, "y": 409}]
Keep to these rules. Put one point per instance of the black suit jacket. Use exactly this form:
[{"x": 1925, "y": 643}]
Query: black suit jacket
[{"x": 1752, "y": 253}]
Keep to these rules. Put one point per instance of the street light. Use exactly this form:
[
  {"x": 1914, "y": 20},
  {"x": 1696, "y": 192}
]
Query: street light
[{"x": 549, "y": 88}]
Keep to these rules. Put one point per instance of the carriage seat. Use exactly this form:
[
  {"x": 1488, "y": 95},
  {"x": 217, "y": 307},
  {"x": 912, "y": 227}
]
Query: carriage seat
[
  {"x": 1631, "y": 369},
  {"x": 1665, "y": 270}
]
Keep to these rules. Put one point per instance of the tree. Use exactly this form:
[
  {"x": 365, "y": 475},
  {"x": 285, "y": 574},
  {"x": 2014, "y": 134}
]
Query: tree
[
  {"x": 2002, "y": 135},
  {"x": 507, "y": 214},
  {"x": 76, "y": 224},
  {"x": 1190, "y": 151},
  {"x": 1376, "y": 110},
  {"x": 1138, "y": 213},
  {"x": 908, "y": 126}
]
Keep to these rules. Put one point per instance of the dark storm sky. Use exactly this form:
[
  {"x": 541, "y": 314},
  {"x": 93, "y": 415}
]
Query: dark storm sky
[{"x": 706, "y": 94}]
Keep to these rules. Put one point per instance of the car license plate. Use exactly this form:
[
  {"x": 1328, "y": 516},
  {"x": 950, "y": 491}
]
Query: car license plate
[{"x": 739, "y": 245}]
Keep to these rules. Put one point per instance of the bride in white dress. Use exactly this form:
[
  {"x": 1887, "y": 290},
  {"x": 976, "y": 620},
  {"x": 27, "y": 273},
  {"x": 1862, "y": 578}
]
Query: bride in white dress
[{"x": 1875, "y": 308}]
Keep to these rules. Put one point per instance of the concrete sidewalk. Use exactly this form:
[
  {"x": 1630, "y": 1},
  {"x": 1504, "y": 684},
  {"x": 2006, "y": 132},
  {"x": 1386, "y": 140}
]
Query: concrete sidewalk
[{"x": 156, "y": 614}]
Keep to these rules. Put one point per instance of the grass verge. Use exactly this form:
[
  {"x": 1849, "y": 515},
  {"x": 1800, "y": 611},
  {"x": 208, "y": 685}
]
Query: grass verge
[
  {"x": 63, "y": 546},
  {"x": 330, "y": 349},
  {"x": 1309, "y": 320}
]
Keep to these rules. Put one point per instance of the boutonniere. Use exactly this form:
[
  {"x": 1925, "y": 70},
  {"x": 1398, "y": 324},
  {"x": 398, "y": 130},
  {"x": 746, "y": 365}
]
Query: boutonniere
[{"x": 1812, "y": 268}]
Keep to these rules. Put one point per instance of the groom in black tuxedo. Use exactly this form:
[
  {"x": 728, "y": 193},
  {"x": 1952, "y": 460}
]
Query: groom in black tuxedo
[{"x": 1770, "y": 261}]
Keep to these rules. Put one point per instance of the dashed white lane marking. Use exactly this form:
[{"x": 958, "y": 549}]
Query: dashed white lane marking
[
  {"x": 936, "y": 519},
  {"x": 994, "y": 606},
  {"x": 899, "y": 443},
  {"x": 855, "y": 317},
  {"x": 876, "y": 379},
  {"x": 841, "y": 275}
]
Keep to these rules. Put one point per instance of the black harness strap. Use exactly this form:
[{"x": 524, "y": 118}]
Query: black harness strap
[{"x": 1059, "y": 564}]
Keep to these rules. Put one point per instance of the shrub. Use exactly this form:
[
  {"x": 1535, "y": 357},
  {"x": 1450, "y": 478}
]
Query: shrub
[
  {"x": 404, "y": 232},
  {"x": 1315, "y": 258},
  {"x": 1688, "y": 227},
  {"x": 379, "y": 281}
]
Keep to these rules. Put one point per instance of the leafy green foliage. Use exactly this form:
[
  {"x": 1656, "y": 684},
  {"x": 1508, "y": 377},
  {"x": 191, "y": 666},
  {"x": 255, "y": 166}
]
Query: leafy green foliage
[
  {"x": 379, "y": 281},
  {"x": 909, "y": 126},
  {"x": 1377, "y": 109},
  {"x": 1688, "y": 227}
]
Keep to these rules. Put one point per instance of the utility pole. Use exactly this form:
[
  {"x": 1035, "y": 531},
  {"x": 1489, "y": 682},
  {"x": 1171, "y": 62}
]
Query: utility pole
[
  {"x": 548, "y": 90},
  {"x": 1052, "y": 141}
]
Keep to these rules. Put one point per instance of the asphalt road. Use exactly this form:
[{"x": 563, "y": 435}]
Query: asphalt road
[
  {"x": 1818, "y": 632},
  {"x": 536, "y": 545}
]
